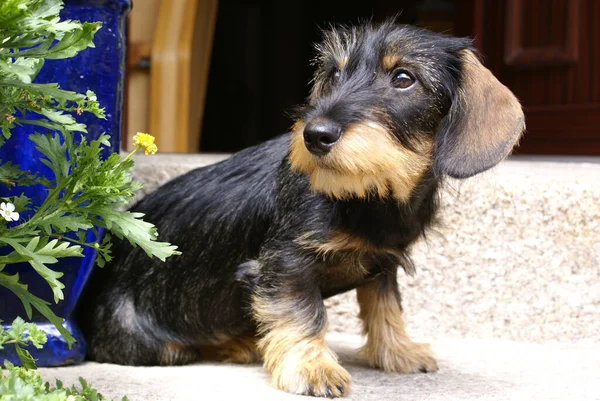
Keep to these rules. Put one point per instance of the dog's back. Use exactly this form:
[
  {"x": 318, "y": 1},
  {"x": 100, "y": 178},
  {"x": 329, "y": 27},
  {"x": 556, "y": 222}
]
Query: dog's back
[{"x": 218, "y": 216}]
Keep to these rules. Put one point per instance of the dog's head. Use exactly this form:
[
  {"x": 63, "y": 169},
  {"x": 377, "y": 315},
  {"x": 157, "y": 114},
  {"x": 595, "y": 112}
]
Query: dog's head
[{"x": 390, "y": 102}]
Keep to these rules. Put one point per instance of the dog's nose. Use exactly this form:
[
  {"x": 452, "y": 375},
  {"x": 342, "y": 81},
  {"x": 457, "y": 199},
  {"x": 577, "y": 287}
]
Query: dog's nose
[{"x": 320, "y": 135}]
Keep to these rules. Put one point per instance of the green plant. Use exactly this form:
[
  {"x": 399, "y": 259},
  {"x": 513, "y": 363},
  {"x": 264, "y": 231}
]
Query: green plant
[
  {"x": 84, "y": 191},
  {"x": 27, "y": 385},
  {"x": 22, "y": 334}
]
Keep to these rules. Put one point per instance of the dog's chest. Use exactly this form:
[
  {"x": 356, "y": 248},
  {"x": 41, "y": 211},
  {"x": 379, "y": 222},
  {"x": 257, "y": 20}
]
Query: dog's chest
[
  {"x": 343, "y": 274},
  {"x": 348, "y": 262}
]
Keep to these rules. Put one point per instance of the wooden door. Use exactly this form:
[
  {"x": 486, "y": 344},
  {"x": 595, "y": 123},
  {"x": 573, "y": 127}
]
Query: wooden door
[{"x": 548, "y": 53}]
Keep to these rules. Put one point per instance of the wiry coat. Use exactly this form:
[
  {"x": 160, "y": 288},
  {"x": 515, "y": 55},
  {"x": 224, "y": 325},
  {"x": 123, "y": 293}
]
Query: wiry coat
[{"x": 269, "y": 233}]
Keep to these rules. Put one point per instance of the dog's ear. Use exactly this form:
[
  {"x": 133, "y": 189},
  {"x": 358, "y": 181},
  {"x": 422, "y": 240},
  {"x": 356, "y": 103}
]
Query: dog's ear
[{"x": 483, "y": 124}]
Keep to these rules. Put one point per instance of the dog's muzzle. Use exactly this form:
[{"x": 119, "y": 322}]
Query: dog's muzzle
[{"x": 320, "y": 135}]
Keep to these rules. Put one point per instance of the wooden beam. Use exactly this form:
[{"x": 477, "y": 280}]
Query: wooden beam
[{"x": 180, "y": 62}]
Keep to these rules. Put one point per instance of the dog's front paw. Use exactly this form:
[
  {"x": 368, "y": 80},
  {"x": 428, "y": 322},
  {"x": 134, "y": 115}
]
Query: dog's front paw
[
  {"x": 405, "y": 357},
  {"x": 320, "y": 377}
]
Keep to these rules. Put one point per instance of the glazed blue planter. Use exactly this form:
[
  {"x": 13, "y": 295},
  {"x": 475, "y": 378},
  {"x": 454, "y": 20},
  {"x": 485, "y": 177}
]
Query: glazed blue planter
[{"x": 102, "y": 70}]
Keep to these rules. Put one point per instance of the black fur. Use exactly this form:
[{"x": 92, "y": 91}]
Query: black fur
[
  {"x": 238, "y": 222},
  {"x": 248, "y": 207}
]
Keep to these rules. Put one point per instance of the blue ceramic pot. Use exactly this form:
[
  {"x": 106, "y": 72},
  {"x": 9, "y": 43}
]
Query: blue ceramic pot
[{"x": 102, "y": 70}]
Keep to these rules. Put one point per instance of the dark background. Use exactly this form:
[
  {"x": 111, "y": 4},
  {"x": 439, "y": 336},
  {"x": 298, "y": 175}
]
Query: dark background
[
  {"x": 260, "y": 67},
  {"x": 546, "y": 51}
]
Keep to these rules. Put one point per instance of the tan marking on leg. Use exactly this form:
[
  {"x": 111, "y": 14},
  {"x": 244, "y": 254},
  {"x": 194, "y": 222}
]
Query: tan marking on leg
[
  {"x": 339, "y": 242},
  {"x": 367, "y": 161},
  {"x": 388, "y": 346},
  {"x": 299, "y": 362},
  {"x": 336, "y": 242},
  {"x": 238, "y": 350},
  {"x": 177, "y": 354}
]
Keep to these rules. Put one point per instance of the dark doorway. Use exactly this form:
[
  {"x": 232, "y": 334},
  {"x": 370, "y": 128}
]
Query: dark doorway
[
  {"x": 546, "y": 51},
  {"x": 260, "y": 67}
]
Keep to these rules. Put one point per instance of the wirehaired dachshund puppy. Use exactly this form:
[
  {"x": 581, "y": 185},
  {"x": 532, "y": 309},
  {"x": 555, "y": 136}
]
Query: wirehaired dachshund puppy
[{"x": 332, "y": 206}]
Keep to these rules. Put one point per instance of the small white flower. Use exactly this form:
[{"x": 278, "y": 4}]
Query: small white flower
[
  {"x": 93, "y": 98},
  {"x": 7, "y": 210}
]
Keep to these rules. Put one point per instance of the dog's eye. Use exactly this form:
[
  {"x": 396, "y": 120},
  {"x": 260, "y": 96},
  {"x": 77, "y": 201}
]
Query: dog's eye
[{"x": 402, "y": 79}]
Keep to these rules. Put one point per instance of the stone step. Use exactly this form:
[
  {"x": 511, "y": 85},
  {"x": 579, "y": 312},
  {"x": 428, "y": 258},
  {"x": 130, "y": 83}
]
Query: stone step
[
  {"x": 486, "y": 370},
  {"x": 517, "y": 256}
]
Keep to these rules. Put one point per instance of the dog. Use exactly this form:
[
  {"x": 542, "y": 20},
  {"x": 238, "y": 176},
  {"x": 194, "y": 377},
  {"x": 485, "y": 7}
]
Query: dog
[{"x": 334, "y": 205}]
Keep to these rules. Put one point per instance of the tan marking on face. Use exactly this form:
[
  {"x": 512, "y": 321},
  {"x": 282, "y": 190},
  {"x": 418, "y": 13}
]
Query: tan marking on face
[
  {"x": 367, "y": 161},
  {"x": 388, "y": 346},
  {"x": 299, "y": 362},
  {"x": 389, "y": 62}
]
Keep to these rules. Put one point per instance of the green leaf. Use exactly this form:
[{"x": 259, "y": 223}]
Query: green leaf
[
  {"x": 55, "y": 154},
  {"x": 21, "y": 202},
  {"x": 51, "y": 125},
  {"x": 13, "y": 257},
  {"x": 60, "y": 117},
  {"x": 51, "y": 90},
  {"x": 22, "y": 69},
  {"x": 129, "y": 225},
  {"x": 12, "y": 283},
  {"x": 25, "y": 357},
  {"x": 43, "y": 246},
  {"x": 5, "y": 134},
  {"x": 9, "y": 173},
  {"x": 47, "y": 10},
  {"x": 40, "y": 252},
  {"x": 9, "y": 170},
  {"x": 104, "y": 253},
  {"x": 37, "y": 337},
  {"x": 17, "y": 328},
  {"x": 12, "y": 11},
  {"x": 64, "y": 120},
  {"x": 64, "y": 222},
  {"x": 39, "y": 51},
  {"x": 24, "y": 40},
  {"x": 74, "y": 41}
]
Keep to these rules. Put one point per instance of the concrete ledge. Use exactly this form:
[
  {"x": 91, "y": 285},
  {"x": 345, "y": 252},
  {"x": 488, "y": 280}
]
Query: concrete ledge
[
  {"x": 517, "y": 258},
  {"x": 489, "y": 370}
]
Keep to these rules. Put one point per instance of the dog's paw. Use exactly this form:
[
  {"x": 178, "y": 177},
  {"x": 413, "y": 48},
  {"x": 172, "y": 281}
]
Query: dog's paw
[
  {"x": 317, "y": 377},
  {"x": 406, "y": 357}
]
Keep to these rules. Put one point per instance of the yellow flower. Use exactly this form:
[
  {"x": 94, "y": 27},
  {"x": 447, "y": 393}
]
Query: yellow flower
[
  {"x": 151, "y": 149},
  {"x": 146, "y": 142}
]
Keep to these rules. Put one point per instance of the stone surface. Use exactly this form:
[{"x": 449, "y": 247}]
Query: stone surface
[
  {"x": 487, "y": 370},
  {"x": 517, "y": 256}
]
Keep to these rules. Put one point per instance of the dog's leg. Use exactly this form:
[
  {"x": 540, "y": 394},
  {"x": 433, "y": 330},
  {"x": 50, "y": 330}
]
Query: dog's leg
[
  {"x": 293, "y": 325},
  {"x": 388, "y": 346},
  {"x": 238, "y": 350},
  {"x": 177, "y": 354}
]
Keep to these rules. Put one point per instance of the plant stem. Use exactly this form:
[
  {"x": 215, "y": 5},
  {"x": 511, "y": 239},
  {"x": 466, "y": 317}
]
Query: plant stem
[
  {"x": 74, "y": 241},
  {"x": 134, "y": 151},
  {"x": 40, "y": 211}
]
